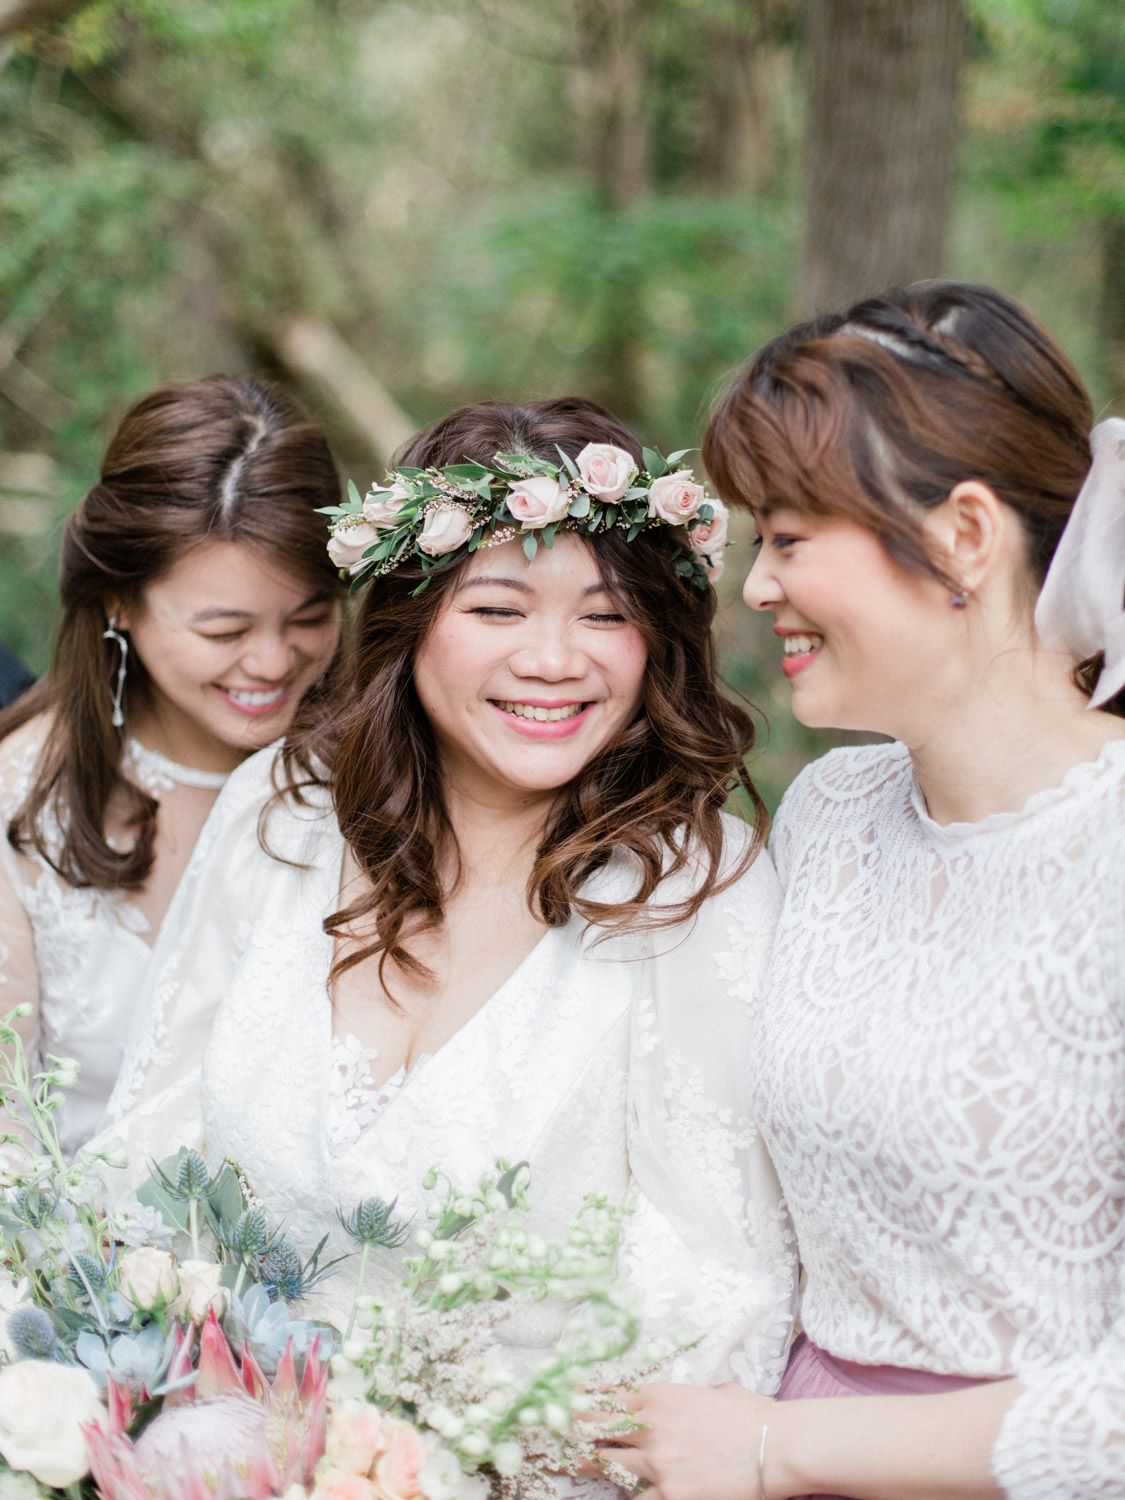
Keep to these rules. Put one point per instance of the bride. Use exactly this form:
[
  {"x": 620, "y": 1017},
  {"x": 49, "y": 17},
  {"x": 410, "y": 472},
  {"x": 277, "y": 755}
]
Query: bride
[{"x": 496, "y": 909}]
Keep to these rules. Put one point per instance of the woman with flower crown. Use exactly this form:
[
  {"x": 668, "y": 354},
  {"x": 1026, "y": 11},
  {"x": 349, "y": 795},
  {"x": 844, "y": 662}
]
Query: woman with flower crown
[
  {"x": 496, "y": 910},
  {"x": 938, "y": 1063}
]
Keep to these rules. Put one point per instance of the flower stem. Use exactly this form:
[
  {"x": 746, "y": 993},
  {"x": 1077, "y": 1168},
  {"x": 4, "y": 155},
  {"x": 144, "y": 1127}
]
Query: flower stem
[
  {"x": 366, "y": 1251},
  {"x": 193, "y": 1226}
]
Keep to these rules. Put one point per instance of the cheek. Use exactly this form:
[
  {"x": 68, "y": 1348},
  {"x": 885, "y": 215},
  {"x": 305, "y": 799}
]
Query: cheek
[{"x": 624, "y": 666}]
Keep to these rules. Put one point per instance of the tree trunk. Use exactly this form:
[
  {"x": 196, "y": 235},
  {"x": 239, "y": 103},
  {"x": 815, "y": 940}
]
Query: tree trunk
[
  {"x": 883, "y": 78},
  {"x": 1111, "y": 321}
]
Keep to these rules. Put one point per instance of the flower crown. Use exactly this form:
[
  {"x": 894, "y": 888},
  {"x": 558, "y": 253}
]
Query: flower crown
[{"x": 433, "y": 513}]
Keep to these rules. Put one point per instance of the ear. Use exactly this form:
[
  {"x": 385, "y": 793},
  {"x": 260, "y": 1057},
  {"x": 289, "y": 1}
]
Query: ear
[{"x": 968, "y": 533}]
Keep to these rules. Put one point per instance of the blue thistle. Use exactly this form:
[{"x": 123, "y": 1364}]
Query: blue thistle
[
  {"x": 372, "y": 1222},
  {"x": 284, "y": 1276},
  {"x": 88, "y": 1272},
  {"x": 249, "y": 1235},
  {"x": 192, "y": 1178},
  {"x": 36, "y": 1205},
  {"x": 33, "y": 1334}
]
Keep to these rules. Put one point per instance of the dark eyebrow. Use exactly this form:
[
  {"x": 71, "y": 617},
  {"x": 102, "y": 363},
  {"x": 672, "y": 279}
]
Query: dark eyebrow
[
  {"x": 222, "y": 612},
  {"x": 522, "y": 587}
]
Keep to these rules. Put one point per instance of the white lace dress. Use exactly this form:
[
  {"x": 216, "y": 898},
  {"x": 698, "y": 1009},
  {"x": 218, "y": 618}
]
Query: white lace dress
[
  {"x": 609, "y": 1068},
  {"x": 78, "y": 956},
  {"x": 939, "y": 1069}
]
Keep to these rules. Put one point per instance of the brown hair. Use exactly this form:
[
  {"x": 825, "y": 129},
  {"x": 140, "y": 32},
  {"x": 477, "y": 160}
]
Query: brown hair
[
  {"x": 658, "y": 788},
  {"x": 231, "y": 458},
  {"x": 876, "y": 413}
]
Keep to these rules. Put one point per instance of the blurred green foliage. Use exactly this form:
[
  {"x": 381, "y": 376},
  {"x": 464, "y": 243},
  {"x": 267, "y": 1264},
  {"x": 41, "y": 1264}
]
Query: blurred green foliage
[{"x": 445, "y": 186}]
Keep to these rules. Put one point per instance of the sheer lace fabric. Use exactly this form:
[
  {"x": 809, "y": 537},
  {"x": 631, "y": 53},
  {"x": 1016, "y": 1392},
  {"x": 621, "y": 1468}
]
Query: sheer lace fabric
[
  {"x": 939, "y": 1069},
  {"x": 617, "y": 1068},
  {"x": 78, "y": 956}
]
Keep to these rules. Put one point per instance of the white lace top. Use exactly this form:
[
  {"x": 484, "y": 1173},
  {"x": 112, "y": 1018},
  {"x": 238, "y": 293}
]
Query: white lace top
[
  {"x": 939, "y": 1069},
  {"x": 611, "y": 1068},
  {"x": 79, "y": 956}
]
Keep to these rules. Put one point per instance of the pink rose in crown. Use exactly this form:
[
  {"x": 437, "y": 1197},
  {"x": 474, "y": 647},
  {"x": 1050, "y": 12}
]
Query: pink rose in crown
[
  {"x": 539, "y": 501},
  {"x": 445, "y": 528},
  {"x": 347, "y": 546},
  {"x": 675, "y": 498},
  {"x": 606, "y": 470},
  {"x": 384, "y": 508},
  {"x": 710, "y": 537},
  {"x": 398, "y": 1472}
]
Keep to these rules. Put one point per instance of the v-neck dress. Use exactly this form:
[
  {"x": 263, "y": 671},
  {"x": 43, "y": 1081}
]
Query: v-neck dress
[
  {"x": 78, "y": 955},
  {"x": 616, "y": 1067}
]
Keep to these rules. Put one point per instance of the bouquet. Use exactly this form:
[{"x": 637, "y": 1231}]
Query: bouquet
[{"x": 154, "y": 1349}]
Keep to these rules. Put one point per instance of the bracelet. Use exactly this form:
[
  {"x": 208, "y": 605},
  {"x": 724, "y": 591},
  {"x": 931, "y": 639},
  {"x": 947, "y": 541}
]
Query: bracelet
[{"x": 762, "y": 1464}]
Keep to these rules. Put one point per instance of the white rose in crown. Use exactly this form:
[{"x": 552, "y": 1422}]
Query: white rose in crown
[
  {"x": 445, "y": 528},
  {"x": 607, "y": 471},
  {"x": 200, "y": 1291},
  {"x": 676, "y": 498},
  {"x": 347, "y": 546},
  {"x": 147, "y": 1278},
  {"x": 539, "y": 501},
  {"x": 710, "y": 537},
  {"x": 43, "y": 1408},
  {"x": 384, "y": 508}
]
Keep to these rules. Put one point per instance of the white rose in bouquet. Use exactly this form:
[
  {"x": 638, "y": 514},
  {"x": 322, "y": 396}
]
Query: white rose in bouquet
[
  {"x": 200, "y": 1291},
  {"x": 43, "y": 1408},
  {"x": 148, "y": 1278}
]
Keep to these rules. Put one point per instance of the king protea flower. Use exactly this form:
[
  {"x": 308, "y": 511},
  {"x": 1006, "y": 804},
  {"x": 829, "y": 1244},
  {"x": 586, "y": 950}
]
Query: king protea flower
[{"x": 234, "y": 1436}]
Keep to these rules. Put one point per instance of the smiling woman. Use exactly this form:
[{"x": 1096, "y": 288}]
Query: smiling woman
[
  {"x": 499, "y": 910},
  {"x": 198, "y": 611}
]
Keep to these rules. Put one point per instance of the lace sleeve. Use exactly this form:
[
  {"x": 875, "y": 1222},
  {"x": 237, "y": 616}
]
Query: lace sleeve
[
  {"x": 19, "y": 981},
  {"x": 1064, "y": 1437},
  {"x": 709, "y": 1243}
]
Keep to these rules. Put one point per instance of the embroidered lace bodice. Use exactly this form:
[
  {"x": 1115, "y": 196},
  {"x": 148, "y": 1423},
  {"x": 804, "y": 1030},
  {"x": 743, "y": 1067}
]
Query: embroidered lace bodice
[
  {"x": 78, "y": 956},
  {"x": 939, "y": 1069},
  {"x": 616, "y": 1068}
]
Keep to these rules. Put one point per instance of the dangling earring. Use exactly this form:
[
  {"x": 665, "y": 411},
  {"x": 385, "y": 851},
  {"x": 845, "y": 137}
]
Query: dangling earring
[
  {"x": 959, "y": 598},
  {"x": 117, "y": 694}
]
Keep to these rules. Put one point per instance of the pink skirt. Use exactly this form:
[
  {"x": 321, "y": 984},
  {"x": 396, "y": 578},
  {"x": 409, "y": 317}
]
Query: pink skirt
[{"x": 813, "y": 1372}]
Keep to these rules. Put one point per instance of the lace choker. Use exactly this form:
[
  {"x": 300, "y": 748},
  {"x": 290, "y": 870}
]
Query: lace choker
[{"x": 157, "y": 773}]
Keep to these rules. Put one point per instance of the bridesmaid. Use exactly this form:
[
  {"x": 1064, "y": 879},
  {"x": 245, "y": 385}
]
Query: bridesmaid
[
  {"x": 939, "y": 1065},
  {"x": 199, "y": 608}
]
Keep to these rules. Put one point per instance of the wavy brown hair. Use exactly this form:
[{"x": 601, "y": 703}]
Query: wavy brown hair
[
  {"x": 656, "y": 791},
  {"x": 230, "y": 458},
  {"x": 876, "y": 413}
]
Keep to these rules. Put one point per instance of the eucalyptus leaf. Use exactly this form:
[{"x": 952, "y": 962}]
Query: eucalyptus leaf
[
  {"x": 530, "y": 546},
  {"x": 353, "y": 494},
  {"x": 569, "y": 464},
  {"x": 547, "y": 535},
  {"x": 580, "y": 505},
  {"x": 655, "y": 465},
  {"x": 674, "y": 458}
]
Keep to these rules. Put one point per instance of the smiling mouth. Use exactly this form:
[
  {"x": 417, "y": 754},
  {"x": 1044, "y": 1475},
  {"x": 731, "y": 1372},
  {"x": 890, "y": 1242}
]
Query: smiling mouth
[
  {"x": 801, "y": 650},
  {"x": 540, "y": 715},
  {"x": 255, "y": 700}
]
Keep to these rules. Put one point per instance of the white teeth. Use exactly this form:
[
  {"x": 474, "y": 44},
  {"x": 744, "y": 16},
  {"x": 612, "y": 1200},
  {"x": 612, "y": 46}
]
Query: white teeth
[
  {"x": 255, "y": 699},
  {"x": 544, "y": 715},
  {"x": 801, "y": 645}
]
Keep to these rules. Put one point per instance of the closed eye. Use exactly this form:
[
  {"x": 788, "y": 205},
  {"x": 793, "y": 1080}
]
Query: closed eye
[
  {"x": 606, "y": 619},
  {"x": 495, "y": 612}
]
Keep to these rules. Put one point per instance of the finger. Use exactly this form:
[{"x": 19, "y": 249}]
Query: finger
[{"x": 629, "y": 1458}]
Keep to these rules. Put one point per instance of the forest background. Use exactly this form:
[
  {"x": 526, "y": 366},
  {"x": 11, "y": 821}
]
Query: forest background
[{"x": 396, "y": 206}]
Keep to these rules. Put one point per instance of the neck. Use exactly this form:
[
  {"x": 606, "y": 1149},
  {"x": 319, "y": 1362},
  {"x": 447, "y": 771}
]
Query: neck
[
  {"x": 182, "y": 740},
  {"x": 1014, "y": 728},
  {"x": 497, "y": 831}
]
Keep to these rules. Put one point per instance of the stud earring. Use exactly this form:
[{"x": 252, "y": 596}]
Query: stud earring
[
  {"x": 959, "y": 598},
  {"x": 117, "y": 692}
]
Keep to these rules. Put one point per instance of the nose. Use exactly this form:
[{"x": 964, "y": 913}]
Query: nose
[
  {"x": 761, "y": 589},
  {"x": 268, "y": 657},
  {"x": 550, "y": 656}
]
